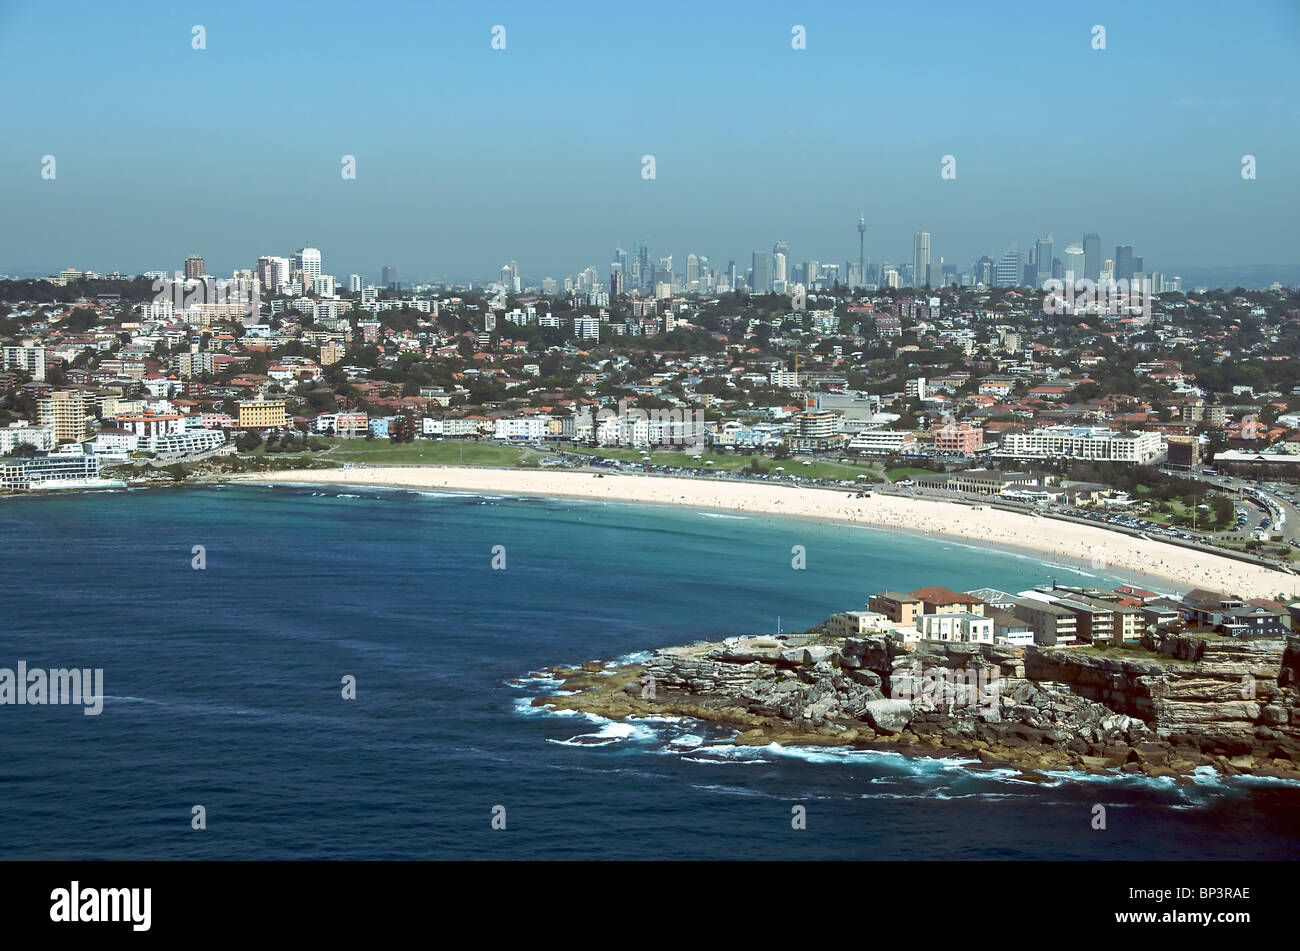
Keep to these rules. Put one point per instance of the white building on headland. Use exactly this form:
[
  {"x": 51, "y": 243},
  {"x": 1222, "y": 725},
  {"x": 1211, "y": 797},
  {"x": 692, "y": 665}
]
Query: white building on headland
[{"x": 57, "y": 470}]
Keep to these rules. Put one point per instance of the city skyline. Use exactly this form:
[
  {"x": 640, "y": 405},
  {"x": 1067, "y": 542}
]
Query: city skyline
[
  {"x": 454, "y": 191},
  {"x": 776, "y": 271}
]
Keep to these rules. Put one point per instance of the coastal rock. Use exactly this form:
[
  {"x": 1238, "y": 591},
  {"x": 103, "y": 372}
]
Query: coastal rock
[{"x": 887, "y": 716}]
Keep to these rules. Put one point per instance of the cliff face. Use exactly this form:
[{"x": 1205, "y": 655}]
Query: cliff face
[
  {"x": 1219, "y": 695},
  {"x": 1231, "y": 704}
]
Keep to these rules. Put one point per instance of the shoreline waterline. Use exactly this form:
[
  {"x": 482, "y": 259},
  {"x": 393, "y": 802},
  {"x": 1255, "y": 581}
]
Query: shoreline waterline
[{"x": 1071, "y": 545}]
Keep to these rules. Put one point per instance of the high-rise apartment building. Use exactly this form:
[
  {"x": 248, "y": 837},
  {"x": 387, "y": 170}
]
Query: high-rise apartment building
[
  {"x": 68, "y": 412},
  {"x": 692, "y": 272},
  {"x": 1009, "y": 271},
  {"x": 272, "y": 273},
  {"x": 1075, "y": 264},
  {"x": 921, "y": 259},
  {"x": 1042, "y": 260},
  {"x": 307, "y": 260},
  {"x": 30, "y": 359},
  {"x": 761, "y": 281},
  {"x": 1123, "y": 262},
  {"x": 195, "y": 267},
  {"x": 1092, "y": 256}
]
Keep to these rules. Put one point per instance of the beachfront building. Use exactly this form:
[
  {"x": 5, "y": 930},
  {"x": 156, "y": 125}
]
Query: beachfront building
[
  {"x": 183, "y": 444},
  {"x": 1092, "y": 443},
  {"x": 939, "y": 600},
  {"x": 1009, "y": 629},
  {"x": 56, "y": 470},
  {"x": 817, "y": 431},
  {"x": 979, "y": 482},
  {"x": 1052, "y": 624},
  {"x": 1256, "y": 620},
  {"x": 899, "y": 608},
  {"x": 857, "y": 624},
  {"x": 68, "y": 413},
  {"x": 958, "y": 439},
  {"x": 346, "y": 425},
  {"x": 883, "y": 442},
  {"x": 522, "y": 428},
  {"x": 263, "y": 414},
  {"x": 957, "y": 626},
  {"x": 23, "y": 433},
  {"x": 147, "y": 425},
  {"x": 451, "y": 426}
]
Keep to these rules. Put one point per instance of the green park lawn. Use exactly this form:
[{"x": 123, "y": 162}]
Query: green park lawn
[
  {"x": 722, "y": 462},
  {"x": 380, "y": 452}
]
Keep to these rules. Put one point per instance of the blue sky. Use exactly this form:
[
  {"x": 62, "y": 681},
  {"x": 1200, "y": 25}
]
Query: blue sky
[{"x": 468, "y": 157}]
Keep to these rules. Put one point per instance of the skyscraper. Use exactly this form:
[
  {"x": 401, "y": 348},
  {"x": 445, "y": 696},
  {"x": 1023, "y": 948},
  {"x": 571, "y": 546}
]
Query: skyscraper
[
  {"x": 354, "y": 282},
  {"x": 1042, "y": 261},
  {"x": 1091, "y": 256},
  {"x": 692, "y": 271},
  {"x": 642, "y": 274},
  {"x": 779, "y": 260},
  {"x": 307, "y": 260},
  {"x": 1075, "y": 265},
  {"x": 510, "y": 277},
  {"x": 1123, "y": 262},
  {"x": 761, "y": 283},
  {"x": 272, "y": 273},
  {"x": 921, "y": 259},
  {"x": 195, "y": 267},
  {"x": 388, "y": 277},
  {"x": 1009, "y": 270}
]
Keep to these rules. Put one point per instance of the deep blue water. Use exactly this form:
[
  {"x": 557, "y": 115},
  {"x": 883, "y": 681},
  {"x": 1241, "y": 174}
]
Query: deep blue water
[{"x": 224, "y": 690}]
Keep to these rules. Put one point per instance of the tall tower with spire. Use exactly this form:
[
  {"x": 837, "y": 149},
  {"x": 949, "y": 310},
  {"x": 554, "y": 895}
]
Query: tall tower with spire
[{"x": 862, "y": 259}]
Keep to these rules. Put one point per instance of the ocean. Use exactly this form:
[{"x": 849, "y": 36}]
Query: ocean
[{"x": 224, "y": 689}]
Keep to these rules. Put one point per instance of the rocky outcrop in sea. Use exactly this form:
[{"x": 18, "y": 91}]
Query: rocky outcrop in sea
[{"x": 1165, "y": 709}]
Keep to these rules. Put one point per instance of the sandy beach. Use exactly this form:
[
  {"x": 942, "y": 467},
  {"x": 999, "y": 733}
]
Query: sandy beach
[{"x": 1088, "y": 547}]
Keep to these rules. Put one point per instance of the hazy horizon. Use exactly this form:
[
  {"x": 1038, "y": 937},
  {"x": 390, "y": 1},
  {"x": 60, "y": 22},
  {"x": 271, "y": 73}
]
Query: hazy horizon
[{"x": 468, "y": 157}]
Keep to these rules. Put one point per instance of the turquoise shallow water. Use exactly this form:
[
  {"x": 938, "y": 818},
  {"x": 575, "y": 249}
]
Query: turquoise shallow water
[{"x": 224, "y": 690}]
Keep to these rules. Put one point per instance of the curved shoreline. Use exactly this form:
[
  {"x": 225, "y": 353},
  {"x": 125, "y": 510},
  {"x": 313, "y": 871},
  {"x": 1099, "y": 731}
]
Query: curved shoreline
[{"x": 1051, "y": 540}]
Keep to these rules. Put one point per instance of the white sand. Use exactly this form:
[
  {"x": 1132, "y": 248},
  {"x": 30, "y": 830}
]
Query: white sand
[{"x": 1088, "y": 547}]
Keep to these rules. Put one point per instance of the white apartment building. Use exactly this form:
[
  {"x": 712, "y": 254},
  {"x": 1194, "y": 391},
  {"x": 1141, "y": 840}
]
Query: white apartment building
[
  {"x": 28, "y": 359},
  {"x": 450, "y": 427},
  {"x": 524, "y": 427},
  {"x": 1092, "y": 443},
  {"x": 857, "y": 623},
  {"x": 176, "y": 445},
  {"x": 23, "y": 433},
  {"x": 883, "y": 441},
  {"x": 57, "y": 470},
  {"x": 971, "y": 628}
]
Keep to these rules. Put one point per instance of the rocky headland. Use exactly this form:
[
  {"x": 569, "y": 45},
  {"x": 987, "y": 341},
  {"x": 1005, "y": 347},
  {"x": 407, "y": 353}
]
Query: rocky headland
[{"x": 1163, "y": 709}]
